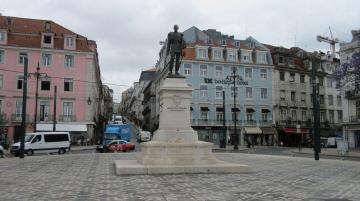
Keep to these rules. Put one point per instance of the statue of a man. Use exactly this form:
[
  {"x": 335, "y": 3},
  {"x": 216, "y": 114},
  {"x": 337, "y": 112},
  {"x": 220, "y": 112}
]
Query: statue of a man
[{"x": 175, "y": 46}]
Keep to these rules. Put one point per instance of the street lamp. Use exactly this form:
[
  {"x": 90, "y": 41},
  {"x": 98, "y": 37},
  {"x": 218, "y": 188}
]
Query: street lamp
[
  {"x": 234, "y": 78},
  {"x": 37, "y": 75}
]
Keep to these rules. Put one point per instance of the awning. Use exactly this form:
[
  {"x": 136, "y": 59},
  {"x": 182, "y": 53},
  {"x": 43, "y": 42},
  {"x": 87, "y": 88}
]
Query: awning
[
  {"x": 296, "y": 130},
  {"x": 252, "y": 130},
  {"x": 204, "y": 108},
  {"x": 265, "y": 111},
  {"x": 268, "y": 130},
  {"x": 250, "y": 110},
  {"x": 235, "y": 109},
  {"x": 62, "y": 127},
  {"x": 219, "y": 109}
]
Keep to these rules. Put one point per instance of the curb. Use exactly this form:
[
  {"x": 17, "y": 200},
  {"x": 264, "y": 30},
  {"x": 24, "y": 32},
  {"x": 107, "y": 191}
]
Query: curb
[{"x": 296, "y": 152}]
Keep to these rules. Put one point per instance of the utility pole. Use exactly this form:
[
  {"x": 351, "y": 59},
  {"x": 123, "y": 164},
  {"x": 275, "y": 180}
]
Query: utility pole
[
  {"x": 54, "y": 123},
  {"x": 23, "y": 114},
  {"x": 316, "y": 111},
  {"x": 224, "y": 122},
  {"x": 37, "y": 74}
]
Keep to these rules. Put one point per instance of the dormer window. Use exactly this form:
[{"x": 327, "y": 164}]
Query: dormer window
[
  {"x": 47, "y": 40},
  {"x": 209, "y": 41},
  {"x": 3, "y": 37},
  {"x": 231, "y": 55},
  {"x": 281, "y": 60},
  {"x": 202, "y": 53},
  {"x": 69, "y": 42},
  {"x": 237, "y": 43},
  {"x": 217, "y": 54},
  {"x": 245, "y": 56},
  {"x": 223, "y": 42}
]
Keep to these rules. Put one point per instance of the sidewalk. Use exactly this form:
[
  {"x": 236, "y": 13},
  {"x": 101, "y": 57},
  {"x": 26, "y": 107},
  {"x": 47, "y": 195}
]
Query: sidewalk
[
  {"x": 328, "y": 152},
  {"x": 229, "y": 148}
]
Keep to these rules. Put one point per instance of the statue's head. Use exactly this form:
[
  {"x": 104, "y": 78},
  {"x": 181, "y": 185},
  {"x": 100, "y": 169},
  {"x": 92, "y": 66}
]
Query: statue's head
[{"x": 176, "y": 27}]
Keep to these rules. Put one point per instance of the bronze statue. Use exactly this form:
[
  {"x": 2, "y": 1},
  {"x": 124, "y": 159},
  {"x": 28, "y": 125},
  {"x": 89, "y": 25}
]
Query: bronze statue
[{"x": 175, "y": 46}]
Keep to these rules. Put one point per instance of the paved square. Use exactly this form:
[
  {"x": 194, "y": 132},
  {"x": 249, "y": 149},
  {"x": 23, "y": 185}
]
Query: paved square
[{"x": 92, "y": 177}]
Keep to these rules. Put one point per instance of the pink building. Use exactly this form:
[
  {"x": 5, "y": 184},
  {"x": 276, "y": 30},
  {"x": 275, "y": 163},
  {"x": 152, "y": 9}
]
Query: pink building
[{"x": 66, "y": 60}]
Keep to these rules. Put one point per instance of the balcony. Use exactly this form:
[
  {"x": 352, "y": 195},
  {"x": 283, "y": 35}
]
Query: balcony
[
  {"x": 294, "y": 104},
  {"x": 265, "y": 123},
  {"x": 283, "y": 103},
  {"x": 351, "y": 95},
  {"x": 18, "y": 118},
  {"x": 249, "y": 123},
  {"x": 355, "y": 119},
  {"x": 67, "y": 118},
  {"x": 43, "y": 118}
]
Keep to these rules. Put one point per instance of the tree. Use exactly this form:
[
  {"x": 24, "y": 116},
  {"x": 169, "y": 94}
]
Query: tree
[{"x": 348, "y": 75}]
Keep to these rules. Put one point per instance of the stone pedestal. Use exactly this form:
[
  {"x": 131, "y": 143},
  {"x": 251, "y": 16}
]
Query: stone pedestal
[{"x": 175, "y": 147}]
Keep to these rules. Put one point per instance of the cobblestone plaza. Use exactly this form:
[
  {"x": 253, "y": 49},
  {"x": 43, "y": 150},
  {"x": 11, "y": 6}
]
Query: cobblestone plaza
[{"x": 92, "y": 177}]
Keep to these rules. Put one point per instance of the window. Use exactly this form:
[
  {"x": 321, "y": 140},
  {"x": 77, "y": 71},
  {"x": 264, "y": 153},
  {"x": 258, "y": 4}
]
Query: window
[
  {"x": 46, "y": 59},
  {"x": 302, "y": 78},
  {"x": 19, "y": 82},
  {"x": 282, "y": 95},
  {"x": 69, "y": 61},
  {"x": 322, "y": 116},
  {"x": 47, "y": 39},
  {"x": 203, "y": 91},
  {"x": 329, "y": 82},
  {"x": 249, "y": 116},
  {"x": 234, "y": 114},
  {"x": 339, "y": 102},
  {"x": 187, "y": 69},
  {"x": 245, "y": 56},
  {"x": 322, "y": 100},
  {"x": 37, "y": 138},
  {"x": 56, "y": 137},
  {"x": 237, "y": 43},
  {"x": 303, "y": 97},
  {"x": 263, "y": 74},
  {"x": 248, "y": 92},
  {"x": 293, "y": 115},
  {"x": 281, "y": 60},
  {"x": 292, "y": 77},
  {"x": 217, "y": 54},
  {"x": 236, "y": 92},
  {"x": 67, "y": 111},
  {"x": 44, "y": 110},
  {"x": 22, "y": 56},
  {"x": 231, "y": 55},
  {"x": 69, "y": 42},
  {"x": 45, "y": 84},
  {"x": 1, "y": 106},
  {"x": 204, "y": 115},
  {"x": 263, "y": 93},
  {"x": 293, "y": 96},
  {"x": 218, "y": 92},
  {"x": 2, "y": 53},
  {"x": 282, "y": 76},
  {"x": 331, "y": 116},
  {"x": 2, "y": 36},
  {"x": 18, "y": 108},
  {"x": 1, "y": 81},
  {"x": 223, "y": 42},
  {"x": 203, "y": 70},
  {"x": 303, "y": 115},
  {"x": 219, "y": 71},
  {"x": 219, "y": 114},
  {"x": 202, "y": 53},
  {"x": 283, "y": 114},
  {"x": 68, "y": 84},
  {"x": 261, "y": 58},
  {"x": 264, "y": 116},
  {"x": 209, "y": 41},
  {"x": 321, "y": 81},
  {"x": 340, "y": 116},
  {"x": 248, "y": 73},
  {"x": 330, "y": 99}
]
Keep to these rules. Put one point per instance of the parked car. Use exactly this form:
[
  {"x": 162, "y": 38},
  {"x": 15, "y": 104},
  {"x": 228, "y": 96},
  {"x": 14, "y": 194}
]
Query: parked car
[
  {"x": 144, "y": 136},
  {"x": 119, "y": 145},
  {"x": 47, "y": 142}
]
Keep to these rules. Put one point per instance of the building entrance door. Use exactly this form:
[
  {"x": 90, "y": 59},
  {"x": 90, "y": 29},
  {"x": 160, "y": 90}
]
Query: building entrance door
[
  {"x": 17, "y": 133},
  {"x": 357, "y": 138}
]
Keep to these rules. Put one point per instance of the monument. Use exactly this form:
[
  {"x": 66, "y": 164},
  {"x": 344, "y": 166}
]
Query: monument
[{"x": 175, "y": 147}]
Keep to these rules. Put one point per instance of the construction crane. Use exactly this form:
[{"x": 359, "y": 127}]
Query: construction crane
[{"x": 332, "y": 41}]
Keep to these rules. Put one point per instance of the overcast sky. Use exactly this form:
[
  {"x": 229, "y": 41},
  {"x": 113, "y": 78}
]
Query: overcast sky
[{"x": 128, "y": 32}]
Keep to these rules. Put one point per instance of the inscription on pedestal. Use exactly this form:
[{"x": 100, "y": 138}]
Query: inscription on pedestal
[{"x": 176, "y": 99}]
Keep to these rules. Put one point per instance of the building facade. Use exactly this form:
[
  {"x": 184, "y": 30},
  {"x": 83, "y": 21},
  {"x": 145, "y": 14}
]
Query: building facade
[
  {"x": 210, "y": 57},
  {"x": 66, "y": 60},
  {"x": 351, "y": 128}
]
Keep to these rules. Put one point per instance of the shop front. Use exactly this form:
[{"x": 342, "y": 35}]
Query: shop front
[{"x": 293, "y": 137}]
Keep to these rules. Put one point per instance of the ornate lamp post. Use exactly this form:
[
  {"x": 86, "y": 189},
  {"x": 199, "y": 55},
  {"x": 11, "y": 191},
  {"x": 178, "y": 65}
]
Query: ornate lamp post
[
  {"x": 37, "y": 75},
  {"x": 234, "y": 78}
]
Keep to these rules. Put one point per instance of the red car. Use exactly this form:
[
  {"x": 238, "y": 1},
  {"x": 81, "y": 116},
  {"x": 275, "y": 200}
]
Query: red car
[{"x": 120, "y": 145}]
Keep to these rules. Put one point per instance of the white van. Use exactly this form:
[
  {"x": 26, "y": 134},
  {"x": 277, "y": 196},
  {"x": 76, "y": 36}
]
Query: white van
[
  {"x": 144, "y": 136},
  {"x": 44, "y": 142}
]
